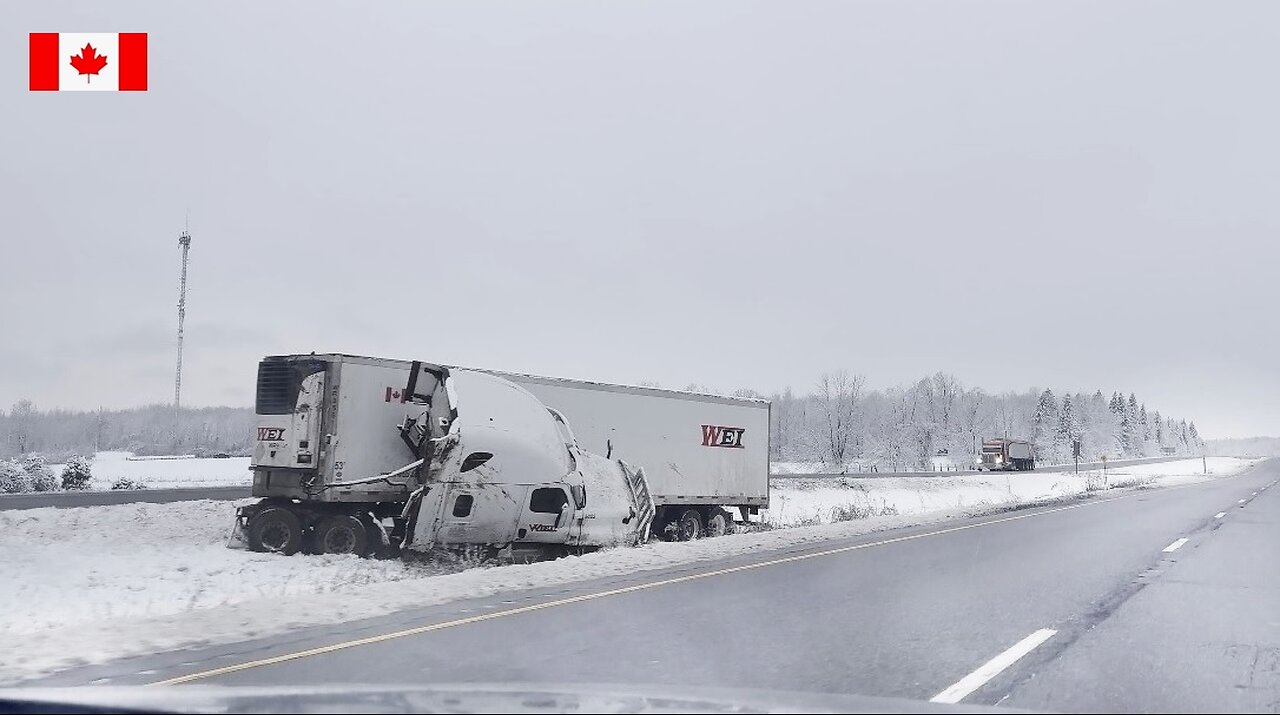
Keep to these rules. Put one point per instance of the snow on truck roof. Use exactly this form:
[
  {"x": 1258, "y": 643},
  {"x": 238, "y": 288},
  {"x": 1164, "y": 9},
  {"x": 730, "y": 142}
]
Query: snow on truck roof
[{"x": 609, "y": 386}]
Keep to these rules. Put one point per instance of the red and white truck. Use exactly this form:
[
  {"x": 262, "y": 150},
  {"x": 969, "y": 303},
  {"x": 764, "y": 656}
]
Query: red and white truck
[{"x": 1003, "y": 454}]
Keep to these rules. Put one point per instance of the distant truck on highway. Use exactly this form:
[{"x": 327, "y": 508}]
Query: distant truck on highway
[
  {"x": 348, "y": 446},
  {"x": 1006, "y": 454}
]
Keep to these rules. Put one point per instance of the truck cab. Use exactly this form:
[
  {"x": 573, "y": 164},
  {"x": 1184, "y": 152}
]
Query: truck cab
[{"x": 513, "y": 477}]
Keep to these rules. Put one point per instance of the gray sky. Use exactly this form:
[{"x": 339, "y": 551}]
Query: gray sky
[{"x": 733, "y": 194}]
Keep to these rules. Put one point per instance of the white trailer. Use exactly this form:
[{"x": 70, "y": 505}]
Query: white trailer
[{"x": 329, "y": 450}]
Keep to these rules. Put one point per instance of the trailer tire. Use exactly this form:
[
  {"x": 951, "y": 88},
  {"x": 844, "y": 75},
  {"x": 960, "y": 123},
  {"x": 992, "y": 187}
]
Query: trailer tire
[
  {"x": 689, "y": 526},
  {"x": 719, "y": 523},
  {"x": 342, "y": 534},
  {"x": 379, "y": 545},
  {"x": 275, "y": 529}
]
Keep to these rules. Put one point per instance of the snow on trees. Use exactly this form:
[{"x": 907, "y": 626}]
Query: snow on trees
[
  {"x": 838, "y": 395},
  {"x": 76, "y": 474},
  {"x": 1044, "y": 428},
  {"x": 1068, "y": 423},
  {"x": 13, "y": 478},
  {"x": 42, "y": 477}
]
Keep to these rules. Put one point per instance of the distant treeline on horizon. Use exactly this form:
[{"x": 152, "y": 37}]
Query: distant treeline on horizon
[{"x": 838, "y": 423}]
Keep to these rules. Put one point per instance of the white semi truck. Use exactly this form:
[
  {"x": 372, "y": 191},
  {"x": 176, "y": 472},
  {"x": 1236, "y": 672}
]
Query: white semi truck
[{"x": 451, "y": 456}]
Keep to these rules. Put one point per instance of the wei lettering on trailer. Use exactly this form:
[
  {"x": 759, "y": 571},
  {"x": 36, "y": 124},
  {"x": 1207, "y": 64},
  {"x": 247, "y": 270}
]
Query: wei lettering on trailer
[
  {"x": 270, "y": 434},
  {"x": 721, "y": 436}
]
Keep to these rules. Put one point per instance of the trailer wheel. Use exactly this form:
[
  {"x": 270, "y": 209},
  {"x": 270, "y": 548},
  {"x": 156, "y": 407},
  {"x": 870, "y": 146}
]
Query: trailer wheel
[
  {"x": 690, "y": 525},
  {"x": 378, "y": 543},
  {"x": 275, "y": 529},
  {"x": 344, "y": 534},
  {"x": 719, "y": 523}
]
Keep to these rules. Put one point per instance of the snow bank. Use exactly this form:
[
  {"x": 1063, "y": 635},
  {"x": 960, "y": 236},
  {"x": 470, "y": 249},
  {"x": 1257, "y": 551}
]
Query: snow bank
[
  {"x": 162, "y": 473},
  {"x": 94, "y": 584},
  {"x": 797, "y": 502}
]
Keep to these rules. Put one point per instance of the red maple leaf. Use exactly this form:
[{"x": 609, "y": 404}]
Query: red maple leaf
[{"x": 88, "y": 62}]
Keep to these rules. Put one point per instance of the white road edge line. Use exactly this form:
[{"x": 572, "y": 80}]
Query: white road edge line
[
  {"x": 971, "y": 682},
  {"x": 1219, "y": 515},
  {"x": 1175, "y": 545}
]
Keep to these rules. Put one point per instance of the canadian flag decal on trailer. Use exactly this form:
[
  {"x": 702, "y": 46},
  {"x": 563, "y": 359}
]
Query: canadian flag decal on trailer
[{"x": 720, "y": 436}]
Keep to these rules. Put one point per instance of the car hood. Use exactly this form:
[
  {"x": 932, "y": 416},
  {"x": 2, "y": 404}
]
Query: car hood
[{"x": 453, "y": 698}]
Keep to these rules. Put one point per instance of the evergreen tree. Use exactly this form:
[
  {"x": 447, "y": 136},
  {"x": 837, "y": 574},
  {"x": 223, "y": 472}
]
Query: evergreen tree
[
  {"x": 1044, "y": 427},
  {"x": 1146, "y": 426},
  {"x": 1195, "y": 436},
  {"x": 1068, "y": 424}
]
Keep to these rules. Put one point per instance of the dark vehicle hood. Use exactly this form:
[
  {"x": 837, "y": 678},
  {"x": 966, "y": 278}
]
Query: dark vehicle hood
[{"x": 452, "y": 698}]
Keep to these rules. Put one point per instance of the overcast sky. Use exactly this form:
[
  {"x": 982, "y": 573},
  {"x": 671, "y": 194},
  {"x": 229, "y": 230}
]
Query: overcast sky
[{"x": 735, "y": 194}]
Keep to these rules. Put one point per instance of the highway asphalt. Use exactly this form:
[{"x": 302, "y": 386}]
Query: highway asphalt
[{"x": 1142, "y": 601}]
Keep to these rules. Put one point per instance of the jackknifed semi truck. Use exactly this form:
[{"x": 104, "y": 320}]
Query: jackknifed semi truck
[{"x": 371, "y": 455}]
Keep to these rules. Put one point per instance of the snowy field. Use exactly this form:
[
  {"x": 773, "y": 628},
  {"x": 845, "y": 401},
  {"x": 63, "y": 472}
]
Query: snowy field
[
  {"x": 165, "y": 472},
  {"x": 797, "y": 502},
  {"x": 92, "y": 584}
]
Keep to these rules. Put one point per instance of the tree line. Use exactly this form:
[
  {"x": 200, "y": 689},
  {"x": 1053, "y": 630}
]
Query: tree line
[
  {"x": 841, "y": 423},
  {"x": 155, "y": 429}
]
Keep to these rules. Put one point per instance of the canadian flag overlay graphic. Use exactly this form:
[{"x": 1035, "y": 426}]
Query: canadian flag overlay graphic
[{"x": 89, "y": 61}]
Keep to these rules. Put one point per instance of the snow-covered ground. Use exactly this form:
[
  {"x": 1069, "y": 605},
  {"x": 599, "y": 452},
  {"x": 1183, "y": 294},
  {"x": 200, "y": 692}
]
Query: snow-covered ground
[
  {"x": 161, "y": 473},
  {"x": 794, "y": 502},
  {"x": 93, "y": 584}
]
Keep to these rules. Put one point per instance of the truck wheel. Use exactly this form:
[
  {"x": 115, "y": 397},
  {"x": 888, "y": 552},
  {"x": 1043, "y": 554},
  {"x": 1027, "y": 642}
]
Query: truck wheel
[
  {"x": 690, "y": 525},
  {"x": 343, "y": 534},
  {"x": 275, "y": 529},
  {"x": 719, "y": 523}
]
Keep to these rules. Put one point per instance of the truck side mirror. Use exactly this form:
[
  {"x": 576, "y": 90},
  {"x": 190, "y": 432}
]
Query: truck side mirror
[{"x": 579, "y": 495}]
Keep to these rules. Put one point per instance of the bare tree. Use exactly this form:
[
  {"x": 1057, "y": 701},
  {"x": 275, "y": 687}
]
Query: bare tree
[
  {"x": 838, "y": 395},
  {"x": 22, "y": 419}
]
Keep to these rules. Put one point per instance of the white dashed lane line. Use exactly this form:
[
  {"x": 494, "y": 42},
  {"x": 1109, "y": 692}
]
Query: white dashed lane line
[
  {"x": 1175, "y": 545},
  {"x": 971, "y": 682},
  {"x": 1219, "y": 515}
]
